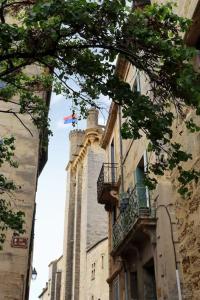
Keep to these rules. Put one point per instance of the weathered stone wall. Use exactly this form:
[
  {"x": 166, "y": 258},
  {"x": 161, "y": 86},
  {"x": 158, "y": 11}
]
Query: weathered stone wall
[
  {"x": 96, "y": 281},
  {"x": 187, "y": 211},
  {"x": 77, "y": 231},
  {"x": 59, "y": 275},
  {"x": 183, "y": 8},
  {"x": 14, "y": 262},
  {"x": 93, "y": 216},
  {"x": 187, "y": 216},
  {"x": 68, "y": 248},
  {"x": 96, "y": 216}
]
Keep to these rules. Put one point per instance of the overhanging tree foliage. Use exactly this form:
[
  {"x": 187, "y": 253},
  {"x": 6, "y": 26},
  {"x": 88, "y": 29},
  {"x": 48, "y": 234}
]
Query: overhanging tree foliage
[
  {"x": 78, "y": 41},
  {"x": 8, "y": 218}
]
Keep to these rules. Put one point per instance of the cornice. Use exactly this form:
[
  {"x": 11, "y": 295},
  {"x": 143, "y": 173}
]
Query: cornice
[{"x": 109, "y": 125}]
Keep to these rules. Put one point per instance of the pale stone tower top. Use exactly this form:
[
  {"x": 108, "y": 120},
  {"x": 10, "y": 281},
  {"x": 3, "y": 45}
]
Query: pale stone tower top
[
  {"x": 76, "y": 138},
  {"x": 92, "y": 119}
]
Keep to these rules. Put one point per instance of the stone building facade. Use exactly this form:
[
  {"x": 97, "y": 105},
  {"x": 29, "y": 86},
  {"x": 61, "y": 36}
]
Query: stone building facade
[
  {"x": 85, "y": 220},
  {"x": 97, "y": 266},
  {"x": 16, "y": 256},
  {"x": 153, "y": 237},
  {"x": 53, "y": 289}
]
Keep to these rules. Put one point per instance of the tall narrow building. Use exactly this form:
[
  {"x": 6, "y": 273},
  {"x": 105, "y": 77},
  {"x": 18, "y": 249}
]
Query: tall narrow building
[
  {"x": 85, "y": 236},
  {"x": 16, "y": 255}
]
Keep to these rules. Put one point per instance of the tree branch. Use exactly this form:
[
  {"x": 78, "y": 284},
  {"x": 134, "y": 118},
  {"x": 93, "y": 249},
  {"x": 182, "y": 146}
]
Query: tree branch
[{"x": 15, "y": 114}]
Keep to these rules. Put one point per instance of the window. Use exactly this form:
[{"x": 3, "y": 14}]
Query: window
[
  {"x": 136, "y": 85},
  {"x": 114, "y": 215},
  {"x": 93, "y": 271},
  {"x": 102, "y": 261},
  {"x": 141, "y": 189},
  {"x": 149, "y": 280}
]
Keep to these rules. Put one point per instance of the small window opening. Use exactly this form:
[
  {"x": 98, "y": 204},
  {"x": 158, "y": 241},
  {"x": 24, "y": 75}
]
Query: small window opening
[
  {"x": 136, "y": 85},
  {"x": 93, "y": 271},
  {"x": 114, "y": 215},
  {"x": 102, "y": 261}
]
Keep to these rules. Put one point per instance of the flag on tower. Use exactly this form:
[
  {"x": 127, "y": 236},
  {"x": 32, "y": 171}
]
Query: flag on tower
[{"x": 70, "y": 119}]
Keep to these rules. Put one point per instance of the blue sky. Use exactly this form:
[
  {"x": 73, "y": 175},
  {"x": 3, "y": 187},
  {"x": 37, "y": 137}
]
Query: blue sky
[{"x": 50, "y": 197}]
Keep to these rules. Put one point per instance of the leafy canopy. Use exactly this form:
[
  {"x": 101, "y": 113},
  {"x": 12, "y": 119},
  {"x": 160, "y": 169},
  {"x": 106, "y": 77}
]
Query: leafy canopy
[
  {"x": 75, "y": 45},
  {"x": 8, "y": 218}
]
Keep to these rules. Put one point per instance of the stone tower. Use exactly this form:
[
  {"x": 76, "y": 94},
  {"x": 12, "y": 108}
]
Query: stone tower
[{"x": 85, "y": 220}]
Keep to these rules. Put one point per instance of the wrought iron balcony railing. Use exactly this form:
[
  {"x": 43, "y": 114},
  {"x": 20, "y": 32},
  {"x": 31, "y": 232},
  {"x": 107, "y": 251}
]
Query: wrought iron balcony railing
[
  {"x": 107, "y": 182},
  {"x": 132, "y": 208}
]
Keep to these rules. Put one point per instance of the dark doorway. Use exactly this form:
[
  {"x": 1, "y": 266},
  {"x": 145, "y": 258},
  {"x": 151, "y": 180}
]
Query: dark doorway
[
  {"x": 149, "y": 281},
  {"x": 134, "y": 286}
]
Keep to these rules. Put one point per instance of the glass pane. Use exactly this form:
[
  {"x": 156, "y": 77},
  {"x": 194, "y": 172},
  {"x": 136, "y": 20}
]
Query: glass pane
[{"x": 140, "y": 187}]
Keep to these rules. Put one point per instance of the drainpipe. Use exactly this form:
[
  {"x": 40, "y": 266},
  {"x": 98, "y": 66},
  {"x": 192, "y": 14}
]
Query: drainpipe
[
  {"x": 178, "y": 283},
  {"x": 30, "y": 256},
  {"x": 121, "y": 149}
]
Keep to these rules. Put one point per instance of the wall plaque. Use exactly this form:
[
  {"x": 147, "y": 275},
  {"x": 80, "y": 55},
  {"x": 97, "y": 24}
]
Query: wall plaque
[{"x": 19, "y": 242}]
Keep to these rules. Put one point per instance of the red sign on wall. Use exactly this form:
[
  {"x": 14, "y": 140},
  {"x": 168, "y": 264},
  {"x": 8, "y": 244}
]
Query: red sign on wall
[{"x": 19, "y": 242}]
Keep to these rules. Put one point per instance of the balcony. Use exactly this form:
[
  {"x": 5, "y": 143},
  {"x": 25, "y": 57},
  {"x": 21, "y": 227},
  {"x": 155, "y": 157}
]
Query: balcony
[
  {"x": 134, "y": 219},
  {"x": 108, "y": 185}
]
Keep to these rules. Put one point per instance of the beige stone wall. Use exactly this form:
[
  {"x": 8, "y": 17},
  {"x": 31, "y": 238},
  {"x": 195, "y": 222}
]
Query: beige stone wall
[
  {"x": 66, "y": 234},
  {"x": 183, "y": 8},
  {"x": 97, "y": 266},
  {"x": 187, "y": 216},
  {"x": 59, "y": 276},
  {"x": 187, "y": 211},
  {"x": 93, "y": 216},
  {"x": 14, "y": 262}
]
